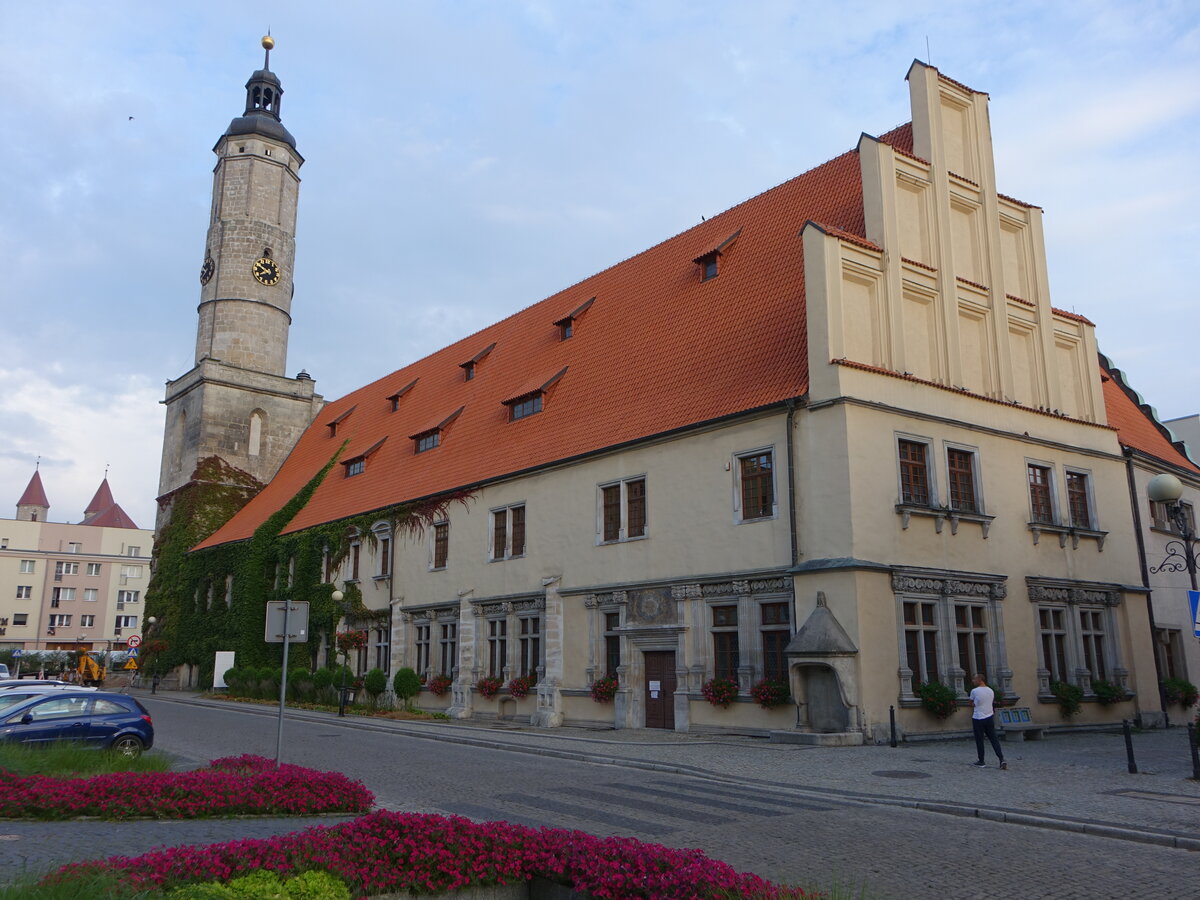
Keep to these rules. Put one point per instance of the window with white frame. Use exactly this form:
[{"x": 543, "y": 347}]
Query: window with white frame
[
  {"x": 20, "y": 619},
  {"x": 126, "y": 622},
  {"x": 916, "y": 476},
  {"x": 622, "y": 513},
  {"x": 74, "y": 547},
  {"x": 962, "y": 476},
  {"x": 93, "y": 568},
  {"x": 127, "y": 596},
  {"x": 27, "y": 566},
  {"x": 950, "y": 630},
  {"x": 66, "y": 568},
  {"x": 133, "y": 551},
  {"x": 58, "y": 620},
  {"x": 529, "y": 645},
  {"x": 24, "y": 591},
  {"x": 88, "y": 621},
  {"x": 131, "y": 571},
  {"x": 91, "y": 595},
  {"x": 508, "y": 532},
  {"x": 497, "y": 644},
  {"x": 60, "y": 594},
  {"x": 755, "y": 495},
  {"x": 1079, "y": 499}
]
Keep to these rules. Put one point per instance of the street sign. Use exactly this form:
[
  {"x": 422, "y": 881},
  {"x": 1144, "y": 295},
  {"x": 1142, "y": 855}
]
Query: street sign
[
  {"x": 18, "y": 653},
  {"x": 297, "y": 621},
  {"x": 1194, "y": 600},
  {"x": 131, "y": 664},
  {"x": 133, "y": 652},
  {"x": 134, "y": 640}
]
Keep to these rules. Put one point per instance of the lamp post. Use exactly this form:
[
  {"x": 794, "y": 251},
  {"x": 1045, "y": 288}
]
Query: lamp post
[
  {"x": 338, "y": 597},
  {"x": 150, "y": 620},
  {"x": 1181, "y": 551}
]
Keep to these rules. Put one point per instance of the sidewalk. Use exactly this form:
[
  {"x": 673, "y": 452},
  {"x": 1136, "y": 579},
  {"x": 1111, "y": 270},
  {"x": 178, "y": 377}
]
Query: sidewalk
[{"x": 1074, "y": 782}]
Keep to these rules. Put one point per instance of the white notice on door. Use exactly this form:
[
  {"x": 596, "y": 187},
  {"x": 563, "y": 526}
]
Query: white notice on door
[
  {"x": 656, "y": 686},
  {"x": 654, "y": 695}
]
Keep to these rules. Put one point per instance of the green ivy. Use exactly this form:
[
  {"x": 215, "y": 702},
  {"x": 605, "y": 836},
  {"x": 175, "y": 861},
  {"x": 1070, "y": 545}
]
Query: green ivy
[{"x": 187, "y": 592}]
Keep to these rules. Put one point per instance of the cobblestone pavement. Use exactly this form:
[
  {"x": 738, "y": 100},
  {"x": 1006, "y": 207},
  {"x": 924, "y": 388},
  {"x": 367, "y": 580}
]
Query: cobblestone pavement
[{"x": 806, "y": 815}]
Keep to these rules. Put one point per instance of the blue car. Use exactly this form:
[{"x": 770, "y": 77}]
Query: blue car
[{"x": 97, "y": 719}]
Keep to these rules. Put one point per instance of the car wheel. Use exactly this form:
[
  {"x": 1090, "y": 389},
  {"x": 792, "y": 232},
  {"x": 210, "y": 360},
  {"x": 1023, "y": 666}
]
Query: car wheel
[{"x": 128, "y": 746}]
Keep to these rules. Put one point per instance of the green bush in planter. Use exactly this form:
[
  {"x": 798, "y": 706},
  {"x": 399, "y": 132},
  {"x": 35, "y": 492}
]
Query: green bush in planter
[
  {"x": 937, "y": 698},
  {"x": 1107, "y": 692},
  {"x": 1069, "y": 697},
  {"x": 406, "y": 684},
  {"x": 1181, "y": 691},
  {"x": 375, "y": 683}
]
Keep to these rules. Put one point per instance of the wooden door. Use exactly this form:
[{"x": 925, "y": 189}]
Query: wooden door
[{"x": 660, "y": 689}]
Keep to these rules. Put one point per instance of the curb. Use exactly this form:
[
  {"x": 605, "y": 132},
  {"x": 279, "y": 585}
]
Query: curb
[{"x": 991, "y": 814}]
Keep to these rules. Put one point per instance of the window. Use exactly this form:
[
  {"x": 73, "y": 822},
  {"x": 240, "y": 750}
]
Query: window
[
  {"x": 1078, "y": 502},
  {"x": 93, "y": 568},
  {"x": 355, "y": 467},
  {"x": 469, "y": 370},
  {"x": 612, "y": 643},
  {"x": 497, "y": 647},
  {"x": 1041, "y": 497},
  {"x": 126, "y": 622},
  {"x": 90, "y": 595},
  {"x": 428, "y": 441},
  {"x": 914, "y": 472},
  {"x": 1160, "y": 513},
  {"x": 960, "y": 469},
  {"x": 776, "y": 632},
  {"x": 921, "y": 640},
  {"x": 355, "y": 559},
  {"x": 1091, "y": 630},
  {"x": 131, "y": 571},
  {"x": 449, "y": 647},
  {"x": 1169, "y": 649},
  {"x": 133, "y": 551},
  {"x": 27, "y": 567},
  {"x": 58, "y": 708},
  {"x": 756, "y": 472},
  {"x": 422, "y": 644},
  {"x": 708, "y": 265},
  {"x": 24, "y": 591},
  {"x": 127, "y": 596},
  {"x": 61, "y": 593},
  {"x": 66, "y": 568},
  {"x": 87, "y": 621},
  {"x": 970, "y": 630},
  {"x": 441, "y": 544},
  {"x": 508, "y": 532},
  {"x": 58, "y": 620},
  {"x": 20, "y": 618},
  {"x": 566, "y": 329},
  {"x": 384, "y": 555},
  {"x": 74, "y": 547},
  {"x": 530, "y": 645},
  {"x": 623, "y": 510},
  {"x": 1052, "y": 623},
  {"x": 520, "y": 409},
  {"x": 725, "y": 642},
  {"x": 381, "y": 641}
]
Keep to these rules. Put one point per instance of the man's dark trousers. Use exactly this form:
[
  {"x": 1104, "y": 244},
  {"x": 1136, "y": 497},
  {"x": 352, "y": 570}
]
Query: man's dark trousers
[{"x": 986, "y": 726}]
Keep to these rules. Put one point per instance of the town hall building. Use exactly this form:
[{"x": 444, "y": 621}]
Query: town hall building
[{"x": 836, "y": 438}]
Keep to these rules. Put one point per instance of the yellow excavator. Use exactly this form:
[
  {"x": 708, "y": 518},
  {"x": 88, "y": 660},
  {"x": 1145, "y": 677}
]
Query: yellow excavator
[{"x": 90, "y": 671}]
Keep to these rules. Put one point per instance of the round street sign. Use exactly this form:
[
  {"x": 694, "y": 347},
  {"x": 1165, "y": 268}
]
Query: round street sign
[{"x": 134, "y": 640}]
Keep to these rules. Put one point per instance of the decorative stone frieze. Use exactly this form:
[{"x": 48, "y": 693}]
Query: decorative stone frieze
[
  {"x": 949, "y": 584},
  {"x": 1072, "y": 592}
]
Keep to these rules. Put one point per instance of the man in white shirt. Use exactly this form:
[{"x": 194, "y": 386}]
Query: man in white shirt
[{"x": 983, "y": 721}]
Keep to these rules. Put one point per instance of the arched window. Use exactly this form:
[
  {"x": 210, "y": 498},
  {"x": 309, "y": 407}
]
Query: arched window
[{"x": 257, "y": 419}]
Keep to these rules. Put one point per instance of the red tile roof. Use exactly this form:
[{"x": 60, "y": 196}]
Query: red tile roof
[
  {"x": 110, "y": 517},
  {"x": 102, "y": 499},
  {"x": 1136, "y": 425},
  {"x": 35, "y": 494}
]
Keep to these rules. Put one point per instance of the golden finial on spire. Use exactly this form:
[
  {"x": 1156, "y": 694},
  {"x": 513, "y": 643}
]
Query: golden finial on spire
[{"x": 268, "y": 42}]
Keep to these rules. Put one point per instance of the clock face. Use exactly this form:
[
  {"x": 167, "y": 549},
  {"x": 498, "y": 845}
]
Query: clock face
[
  {"x": 206, "y": 270},
  {"x": 266, "y": 271}
]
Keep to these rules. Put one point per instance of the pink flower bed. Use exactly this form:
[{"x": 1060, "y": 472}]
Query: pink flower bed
[
  {"x": 242, "y": 785},
  {"x": 391, "y": 852}
]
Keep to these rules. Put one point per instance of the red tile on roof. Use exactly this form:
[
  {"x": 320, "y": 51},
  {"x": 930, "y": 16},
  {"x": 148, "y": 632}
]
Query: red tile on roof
[
  {"x": 35, "y": 494},
  {"x": 1135, "y": 424},
  {"x": 1074, "y": 316},
  {"x": 110, "y": 517}
]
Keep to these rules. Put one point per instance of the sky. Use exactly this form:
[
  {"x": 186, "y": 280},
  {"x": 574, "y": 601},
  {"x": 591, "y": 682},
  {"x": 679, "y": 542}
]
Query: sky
[{"x": 465, "y": 160}]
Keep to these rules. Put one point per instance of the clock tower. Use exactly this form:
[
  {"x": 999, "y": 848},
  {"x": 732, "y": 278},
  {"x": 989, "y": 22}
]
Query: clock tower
[{"x": 236, "y": 403}]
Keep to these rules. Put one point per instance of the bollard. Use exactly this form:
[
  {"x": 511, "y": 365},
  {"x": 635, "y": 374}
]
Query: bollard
[
  {"x": 1129, "y": 746},
  {"x": 1193, "y": 738},
  {"x": 892, "y": 717}
]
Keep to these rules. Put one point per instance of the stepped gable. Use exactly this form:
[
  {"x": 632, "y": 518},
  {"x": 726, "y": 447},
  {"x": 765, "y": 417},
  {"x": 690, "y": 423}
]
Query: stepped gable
[
  {"x": 35, "y": 494},
  {"x": 1137, "y": 424},
  {"x": 658, "y": 350}
]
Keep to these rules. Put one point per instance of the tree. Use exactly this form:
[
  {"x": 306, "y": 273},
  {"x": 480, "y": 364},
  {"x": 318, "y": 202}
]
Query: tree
[{"x": 406, "y": 684}]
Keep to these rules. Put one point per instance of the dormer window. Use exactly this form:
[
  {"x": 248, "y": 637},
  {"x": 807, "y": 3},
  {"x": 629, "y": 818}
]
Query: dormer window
[
  {"x": 525, "y": 407},
  {"x": 708, "y": 261},
  {"x": 333, "y": 425},
  {"x": 355, "y": 467},
  {"x": 431, "y": 435},
  {"x": 428, "y": 440},
  {"x": 472, "y": 364},
  {"x": 394, "y": 399},
  {"x": 566, "y": 328},
  {"x": 566, "y": 325}
]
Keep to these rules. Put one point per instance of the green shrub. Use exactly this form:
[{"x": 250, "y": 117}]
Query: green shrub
[
  {"x": 406, "y": 684},
  {"x": 322, "y": 678},
  {"x": 1069, "y": 697},
  {"x": 937, "y": 698},
  {"x": 266, "y": 885},
  {"x": 375, "y": 683},
  {"x": 1107, "y": 692},
  {"x": 1181, "y": 691}
]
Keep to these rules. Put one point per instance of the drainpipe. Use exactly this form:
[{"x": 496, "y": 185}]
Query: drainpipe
[
  {"x": 1135, "y": 505},
  {"x": 791, "y": 470}
]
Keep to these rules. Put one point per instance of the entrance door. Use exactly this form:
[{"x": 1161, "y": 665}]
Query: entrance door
[{"x": 660, "y": 689}]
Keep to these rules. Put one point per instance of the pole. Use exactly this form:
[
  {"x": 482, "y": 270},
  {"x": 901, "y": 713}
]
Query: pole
[
  {"x": 1129, "y": 746},
  {"x": 287, "y": 606},
  {"x": 892, "y": 718},
  {"x": 1193, "y": 739},
  {"x": 342, "y": 692}
]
